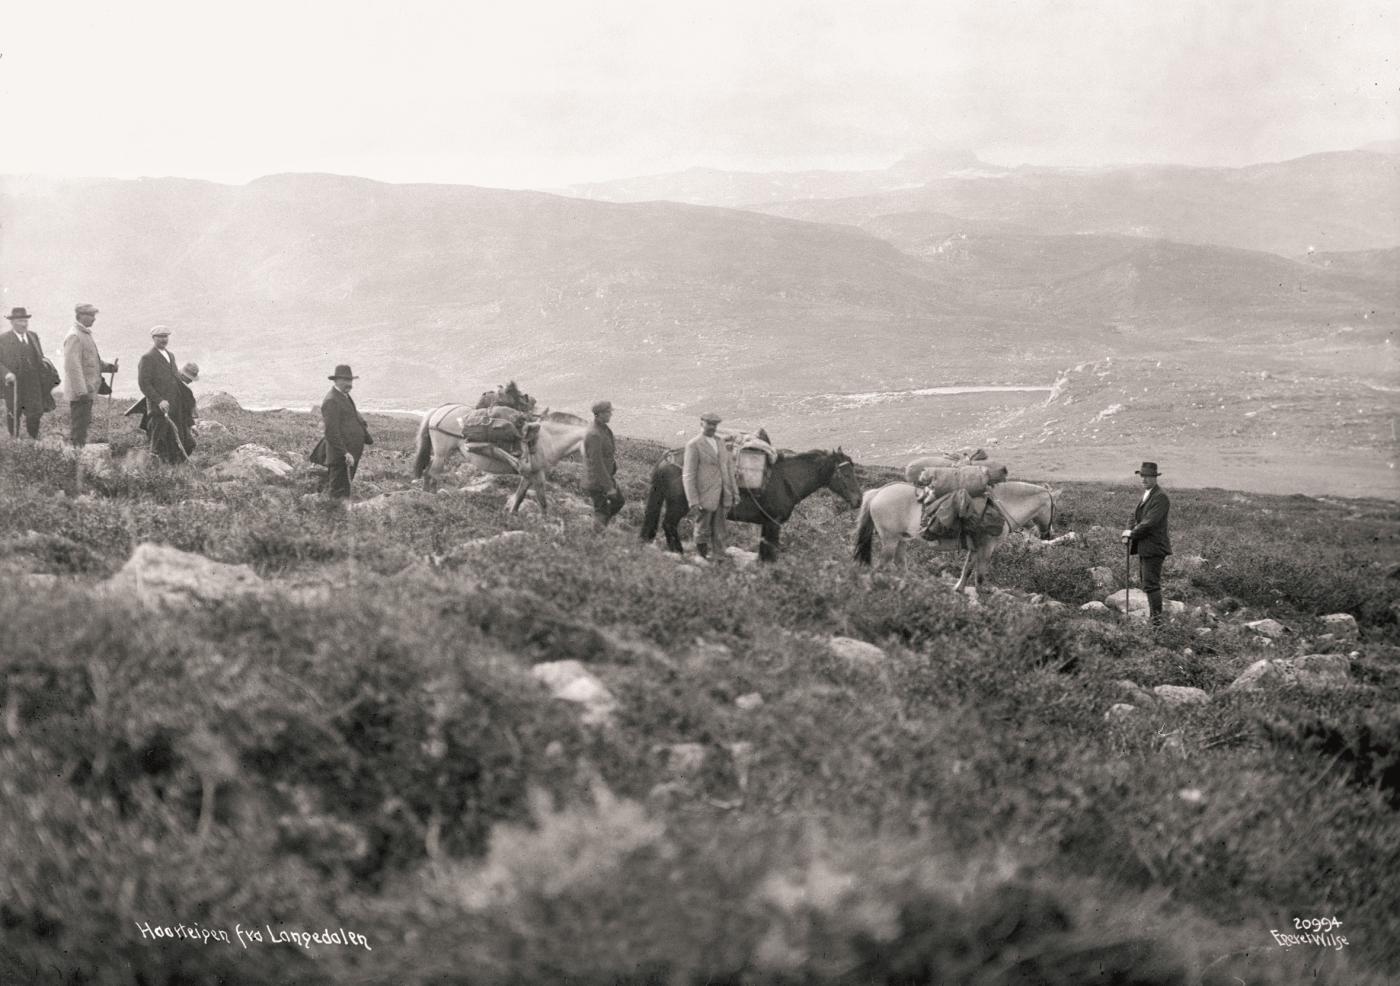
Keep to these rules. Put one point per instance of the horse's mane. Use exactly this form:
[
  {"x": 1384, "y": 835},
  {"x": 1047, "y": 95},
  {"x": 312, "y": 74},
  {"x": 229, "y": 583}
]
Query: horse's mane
[{"x": 815, "y": 453}]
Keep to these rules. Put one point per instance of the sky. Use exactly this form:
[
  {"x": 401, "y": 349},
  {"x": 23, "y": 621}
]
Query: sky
[{"x": 533, "y": 94}]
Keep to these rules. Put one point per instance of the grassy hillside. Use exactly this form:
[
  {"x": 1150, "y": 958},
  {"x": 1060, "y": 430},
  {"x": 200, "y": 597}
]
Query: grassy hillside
[{"x": 360, "y": 743}]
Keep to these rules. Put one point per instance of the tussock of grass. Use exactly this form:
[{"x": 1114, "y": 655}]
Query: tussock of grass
[{"x": 367, "y": 748}]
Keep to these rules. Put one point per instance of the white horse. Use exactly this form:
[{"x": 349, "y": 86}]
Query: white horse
[
  {"x": 546, "y": 441},
  {"x": 894, "y": 512}
]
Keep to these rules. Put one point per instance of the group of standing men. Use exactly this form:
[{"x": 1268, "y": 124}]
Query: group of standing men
[{"x": 167, "y": 406}]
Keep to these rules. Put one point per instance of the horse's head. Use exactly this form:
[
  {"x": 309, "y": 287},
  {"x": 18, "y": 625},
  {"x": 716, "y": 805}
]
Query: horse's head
[{"x": 843, "y": 481}]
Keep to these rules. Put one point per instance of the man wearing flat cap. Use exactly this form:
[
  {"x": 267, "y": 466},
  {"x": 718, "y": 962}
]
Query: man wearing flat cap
[
  {"x": 26, "y": 375},
  {"x": 600, "y": 461},
  {"x": 1150, "y": 539},
  {"x": 711, "y": 486},
  {"x": 82, "y": 373},
  {"x": 167, "y": 417},
  {"x": 346, "y": 433}
]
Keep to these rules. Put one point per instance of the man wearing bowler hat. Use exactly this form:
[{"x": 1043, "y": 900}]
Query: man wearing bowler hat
[
  {"x": 346, "y": 433},
  {"x": 600, "y": 461},
  {"x": 166, "y": 417},
  {"x": 24, "y": 377},
  {"x": 710, "y": 486},
  {"x": 1150, "y": 539},
  {"x": 82, "y": 372}
]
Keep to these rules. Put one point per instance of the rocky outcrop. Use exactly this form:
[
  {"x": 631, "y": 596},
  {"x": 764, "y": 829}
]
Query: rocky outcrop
[
  {"x": 1311, "y": 671},
  {"x": 570, "y": 681},
  {"x": 252, "y": 463},
  {"x": 162, "y": 577}
]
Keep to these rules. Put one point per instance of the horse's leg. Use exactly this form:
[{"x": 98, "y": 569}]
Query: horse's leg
[
  {"x": 671, "y": 525},
  {"x": 538, "y": 482},
  {"x": 518, "y": 497},
  {"x": 768, "y": 546},
  {"x": 962, "y": 580}
]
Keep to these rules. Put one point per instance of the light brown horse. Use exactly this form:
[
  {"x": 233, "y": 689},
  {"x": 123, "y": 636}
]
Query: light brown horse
[
  {"x": 894, "y": 512},
  {"x": 546, "y": 441}
]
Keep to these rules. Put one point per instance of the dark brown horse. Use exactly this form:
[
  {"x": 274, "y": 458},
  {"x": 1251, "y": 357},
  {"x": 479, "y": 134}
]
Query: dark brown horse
[{"x": 794, "y": 477}]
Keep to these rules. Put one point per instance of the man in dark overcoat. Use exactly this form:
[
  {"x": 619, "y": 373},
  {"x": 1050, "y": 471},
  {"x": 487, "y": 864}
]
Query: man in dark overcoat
[
  {"x": 600, "y": 461},
  {"x": 23, "y": 374},
  {"x": 166, "y": 415},
  {"x": 1150, "y": 538},
  {"x": 345, "y": 431}
]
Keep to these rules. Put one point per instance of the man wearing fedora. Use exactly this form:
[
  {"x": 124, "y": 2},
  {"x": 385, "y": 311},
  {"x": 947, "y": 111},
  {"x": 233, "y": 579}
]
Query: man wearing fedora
[
  {"x": 1150, "y": 539},
  {"x": 600, "y": 461},
  {"x": 346, "y": 433},
  {"x": 28, "y": 377},
  {"x": 167, "y": 417},
  {"x": 710, "y": 486},
  {"x": 82, "y": 371}
]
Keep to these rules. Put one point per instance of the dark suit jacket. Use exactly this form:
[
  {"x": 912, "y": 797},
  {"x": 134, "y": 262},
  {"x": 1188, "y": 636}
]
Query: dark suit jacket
[
  {"x": 346, "y": 431},
  {"x": 599, "y": 456},
  {"x": 26, "y": 363},
  {"x": 1151, "y": 537},
  {"x": 159, "y": 381}
]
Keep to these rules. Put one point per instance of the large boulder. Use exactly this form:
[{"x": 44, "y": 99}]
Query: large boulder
[
  {"x": 252, "y": 463},
  {"x": 160, "y": 576},
  {"x": 1315, "y": 672},
  {"x": 1103, "y": 578},
  {"x": 856, "y": 651},
  {"x": 1136, "y": 599},
  {"x": 1341, "y": 625},
  {"x": 1270, "y": 628}
]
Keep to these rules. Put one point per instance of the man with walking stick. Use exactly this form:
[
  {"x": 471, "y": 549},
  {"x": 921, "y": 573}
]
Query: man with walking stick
[
  {"x": 82, "y": 372},
  {"x": 1149, "y": 538}
]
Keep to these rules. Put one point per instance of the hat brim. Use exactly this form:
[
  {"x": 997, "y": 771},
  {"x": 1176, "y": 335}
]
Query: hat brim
[
  {"x": 334, "y": 377},
  {"x": 1139, "y": 472}
]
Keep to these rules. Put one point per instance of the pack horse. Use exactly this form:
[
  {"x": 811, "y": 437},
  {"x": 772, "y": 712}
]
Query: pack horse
[
  {"x": 541, "y": 443},
  {"x": 895, "y": 513}
]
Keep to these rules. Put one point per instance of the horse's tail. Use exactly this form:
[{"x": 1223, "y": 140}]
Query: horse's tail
[
  {"x": 656, "y": 499},
  {"x": 865, "y": 532},
  {"x": 425, "y": 448}
]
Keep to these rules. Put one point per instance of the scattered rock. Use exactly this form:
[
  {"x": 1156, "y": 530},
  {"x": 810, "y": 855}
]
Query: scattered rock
[
  {"x": 683, "y": 760},
  {"x": 1135, "y": 693},
  {"x": 1096, "y": 608},
  {"x": 161, "y": 576},
  {"x": 1191, "y": 795},
  {"x": 503, "y": 537},
  {"x": 1103, "y": 578},
  {"x": 742, "y": 558},
  {"x": 749, "y": 702},
  {"x": 1341, "y": 625},
  {"x": 1268, "y": 627},
  {"x": 1311, "y": 671},
  {"x": 1188, "y": 563},
  {"x": 856, "y": 651},
  {"x": 207, "y": 427},
  {"x": 570, "y": 681},
  {"x": 388, "y": 502},
  {"x": 1119, "y": 711},
  {"x": 219, "y": 401},
  {"x": 1137, "y": 600},
  {"x": 138, "y": 461},
  {"x": 1180, "y": 695},
  {"x": 1174, "y": 746},
  {"x": 743, "y": 756},
  {"x": 254, "y": 463}
]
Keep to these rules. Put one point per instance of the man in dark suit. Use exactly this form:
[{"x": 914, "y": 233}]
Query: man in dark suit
[
  {"x": 23, "y": 372},
  {"x": 167, "y": 415},
  {"x": 600, "y": 461},
  {"x": 1150, "y": 538},
  {"x": 711, "y": 487},
  {"x": 346, "y": 433}
]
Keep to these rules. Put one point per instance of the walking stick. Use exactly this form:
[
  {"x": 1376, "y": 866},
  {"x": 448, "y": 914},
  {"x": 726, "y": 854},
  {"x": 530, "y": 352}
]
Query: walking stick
[
  {"x": 12, "y": 412},
  {"x": 110, "y": 387},
  {"x": 1127, "y": 578}
]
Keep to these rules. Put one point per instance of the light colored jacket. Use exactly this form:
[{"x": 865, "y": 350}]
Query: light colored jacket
[
  {"x": 708, "y": 476},
  {"x": 82, "y": 366}
]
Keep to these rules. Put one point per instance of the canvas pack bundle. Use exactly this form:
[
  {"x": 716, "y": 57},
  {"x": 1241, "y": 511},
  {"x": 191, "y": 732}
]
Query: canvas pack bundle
[
  {"x": 942, "y": 480},
  {"x": 481, "y": 425},
  {"x": 751, "y": 468}
]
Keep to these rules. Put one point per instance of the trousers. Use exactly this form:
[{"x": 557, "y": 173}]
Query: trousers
[
  {"x": 606, "y": 504},
  {"x": 79, "y": 419},
  {"x": 710, "y": 532},
  {"x": 1152, "y": 585}
]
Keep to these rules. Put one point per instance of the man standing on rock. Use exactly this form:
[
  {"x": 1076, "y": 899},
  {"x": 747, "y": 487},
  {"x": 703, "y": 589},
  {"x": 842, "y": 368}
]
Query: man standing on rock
[
  {"x": 710, "y": 486},
  {"x": 599, "y": 456},
  {"x": 1150, "y": 539},
  {"x": 346, "y": 433},
  {"x": 23, "y": 372},
  {"x": 82, "y": 371},
  {"x": 166, "y": 416}
]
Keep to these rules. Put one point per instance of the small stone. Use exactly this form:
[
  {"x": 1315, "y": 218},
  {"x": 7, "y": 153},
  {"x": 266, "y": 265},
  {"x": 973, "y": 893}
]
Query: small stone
[
  {"x": 1268, "y": 627},
  {"x": 1180, "y": 695},
  {"x": 749, "y": 702},
  {"x": 1096, "y": 608},
  {"x": 1119, "y": 711},
  {"x": 683, "y": 759},
  {"x": 1342, "y": 625},
  {"x": 1191, "y": 795},
  {"x": 571, "y": 682},
  {"x": 856, "y": 651}
]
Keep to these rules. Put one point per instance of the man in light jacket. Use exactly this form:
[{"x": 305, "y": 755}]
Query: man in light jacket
[
  {"x": 710, "y": 486},
  {"x": 82, "y": 373}
]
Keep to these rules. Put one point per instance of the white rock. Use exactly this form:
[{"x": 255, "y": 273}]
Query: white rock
[
  {"x": 683, "y": 759},
  {"x": 206, "y": 427},
  {"x": 1268, "y": 628},
  {"x": 856, "y": 651},
  {"x": 1311, "y": 671},
  {"x": 742, "y": 558},
  {"x": 1191, "y": 795},
  {"x": 1180, "y": 695},
  {"x": 1341, "y": 624},
  {"x": 387, "y": 502},
  {"x": 255, "y": 463},
  {"x": 1119, "y": 710},
  {"x": 1188, "y": 563},
  {"x": 161, "y": 576},
  {"x": 570, "y": 681},
  {"x": 1095, "y": 608},
  {"x": 219, "y": 401},
  {"x": 749, "y": 702},
  {"x": 1103, "y": 578},
  {"x": 95, "y": 460}
]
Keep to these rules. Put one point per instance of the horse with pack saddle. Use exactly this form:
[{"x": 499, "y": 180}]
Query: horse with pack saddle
[
  {"x": 502, "y": 435},
  {"x": 771, "y": 485},
  {"x": 953, "y": 501}
]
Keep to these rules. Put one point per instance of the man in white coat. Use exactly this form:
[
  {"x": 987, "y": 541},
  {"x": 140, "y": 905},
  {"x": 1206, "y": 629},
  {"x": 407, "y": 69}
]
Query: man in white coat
[
  {"x": 710, "y": 486},
  {"x": 82, "y": 372}
]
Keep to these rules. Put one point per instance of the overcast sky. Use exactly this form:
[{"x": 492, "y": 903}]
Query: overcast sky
[{"x": 539, "y": 93}]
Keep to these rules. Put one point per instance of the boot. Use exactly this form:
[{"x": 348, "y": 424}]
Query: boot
[
  {"x": 1154, "y": 608},
  {"x": 703, "y": 549}
]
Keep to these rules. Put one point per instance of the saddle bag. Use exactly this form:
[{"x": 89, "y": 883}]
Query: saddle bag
[
  {"x": 942, "y": 480},
  {"x": 751, "y": 468}
]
